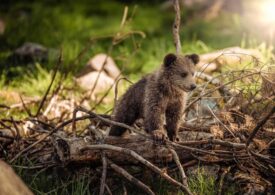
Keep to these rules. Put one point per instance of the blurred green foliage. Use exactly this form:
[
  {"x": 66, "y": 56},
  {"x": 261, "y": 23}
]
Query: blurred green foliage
[{"x": 69, "y": 25}]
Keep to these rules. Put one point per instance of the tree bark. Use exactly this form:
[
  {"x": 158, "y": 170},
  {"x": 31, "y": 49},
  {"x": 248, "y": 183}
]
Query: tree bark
[{"x": 69, "y": 150}]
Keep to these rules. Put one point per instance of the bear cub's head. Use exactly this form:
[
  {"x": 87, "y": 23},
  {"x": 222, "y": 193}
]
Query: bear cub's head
[{"x": 180, "y": 70}]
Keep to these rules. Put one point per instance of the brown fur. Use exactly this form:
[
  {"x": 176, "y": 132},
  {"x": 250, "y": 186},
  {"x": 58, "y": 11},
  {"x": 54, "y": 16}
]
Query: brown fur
[{"x": 158, "y": 96}]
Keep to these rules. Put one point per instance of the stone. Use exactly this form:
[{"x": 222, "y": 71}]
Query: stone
[
  {"x": 87, "y": 81},
  {"x": 29, "y": 52},
  {"x": 110, "y": 68},
  {"x": 87, "y": 77}
]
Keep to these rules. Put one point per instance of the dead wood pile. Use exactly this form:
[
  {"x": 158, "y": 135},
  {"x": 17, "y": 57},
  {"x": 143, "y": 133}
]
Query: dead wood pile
[{"x": 237, "y": 133}]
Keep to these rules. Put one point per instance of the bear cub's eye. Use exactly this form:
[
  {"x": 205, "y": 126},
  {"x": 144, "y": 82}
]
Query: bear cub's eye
[{"x": 184, "y": 74}]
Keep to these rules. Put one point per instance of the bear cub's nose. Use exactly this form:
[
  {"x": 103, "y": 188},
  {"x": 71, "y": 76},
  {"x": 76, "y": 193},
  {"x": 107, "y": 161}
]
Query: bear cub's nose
[{"x": 193, "y": 86}]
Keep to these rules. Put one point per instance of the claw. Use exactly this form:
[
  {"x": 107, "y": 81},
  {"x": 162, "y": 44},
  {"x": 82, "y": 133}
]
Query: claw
[
  {"x": 174, "y": 138},
  {"x": 159, "y": 136}
]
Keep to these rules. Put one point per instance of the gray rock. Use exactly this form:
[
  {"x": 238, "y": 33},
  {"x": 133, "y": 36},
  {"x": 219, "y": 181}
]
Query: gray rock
[
  {"x": 87, "y": 77},
  {"x": 29, "y": 52},
  {"x": 88, "y": 80},
  {"x": 96, "y": 63}
]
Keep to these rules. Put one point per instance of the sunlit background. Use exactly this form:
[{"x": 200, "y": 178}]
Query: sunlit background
[
  {"x": 260, "y": 16},
  {"x": 207, "y": 25}
]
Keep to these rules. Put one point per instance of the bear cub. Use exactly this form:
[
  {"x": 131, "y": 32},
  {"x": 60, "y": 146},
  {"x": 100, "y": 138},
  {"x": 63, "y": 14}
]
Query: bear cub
[{"x": 157, "y": 97}]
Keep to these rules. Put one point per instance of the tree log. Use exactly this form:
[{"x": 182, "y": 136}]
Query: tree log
[{"x": 69, "y": 150}]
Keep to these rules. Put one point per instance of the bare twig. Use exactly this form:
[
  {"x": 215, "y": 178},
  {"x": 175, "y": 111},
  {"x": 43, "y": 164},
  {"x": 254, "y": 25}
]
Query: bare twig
[
  {"x": 7, "y": 127},
  {"x": 4, "y": 106},
  {"x": 130, "y": 178},
  {"x": 104, "y": 173},
  {"x": 218, "y": 87},
  {"x": 213, "y": 114},
  {"x": 16, "y": 128},
  {"x": 125, "y": 13},
  {"x": 106, "y": 93},
  {"x": 176, "y": 27},
  {"x": 18, "y": 105},
  {"x": 42, "y": 138},
  {"x": 176, "y": 145},
  {"x": 25, "y": 107},
  {"x": 214, "y": 81},
  {"x": 222, "y": 180},
  {"x": 178, "y": 163},
  {"x": 28, "y": 148},
  {"x": 190, "y": 149},
  {"x": 116, "y": 88},
  {"x": 51, "y": 83},
  {"x": 108, "y": 189},
  {"x": 141, "y": 160},
  {"x": 74, "y": 122},
  {"x": 100, "y": 71},
  {"x": 228, "y": 144},
  {"x": 260, "y": 125},
  {"x": 124, "y": 189},
  {"x": 110, "y": 121},
  {"x": 110, "y": 49}
]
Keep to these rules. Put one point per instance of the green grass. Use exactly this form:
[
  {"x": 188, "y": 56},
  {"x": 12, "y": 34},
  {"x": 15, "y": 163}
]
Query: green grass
[
  {"x": 56, "y": 181},
  {"x": 70, "y": 25},
  {"x": 202, "y": 184},
  {"x": 61, "y": 181}
]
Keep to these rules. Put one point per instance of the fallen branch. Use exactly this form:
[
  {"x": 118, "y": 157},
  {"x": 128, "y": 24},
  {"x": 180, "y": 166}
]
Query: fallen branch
[
  {"x": 176, "y": 27},
  {"x": 104, "y": 173},
  {"x": 213, "y": 114},
  {"x": 25, "y": 107},
  {"x": 176, "y": 145},
  {"x": 225, "y": 172},
  {"x": 178, "y": 163},
  {"x": 130, "y": 178},
  {"x": 224, "y": 90},
  {"x": 219, "y": 87},
  {"x": 51, "y": 83},
  {"x": 260, "y": 125},
  {"x": 141, "y": 160}
]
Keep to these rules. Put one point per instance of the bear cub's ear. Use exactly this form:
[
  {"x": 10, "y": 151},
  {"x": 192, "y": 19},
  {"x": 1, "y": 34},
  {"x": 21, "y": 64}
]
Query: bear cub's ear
[
  {"x": 169, "y": 59},
  {"x": 194, "y": 57}
]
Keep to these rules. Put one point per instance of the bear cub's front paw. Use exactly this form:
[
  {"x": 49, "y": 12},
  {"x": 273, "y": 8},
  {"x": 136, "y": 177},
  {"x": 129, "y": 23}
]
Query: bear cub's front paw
[
  {"x": 174, "y": 138},
  {"x": 159, "y": 135}
]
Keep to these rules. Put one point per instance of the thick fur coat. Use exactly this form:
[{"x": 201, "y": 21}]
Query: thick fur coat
[{"x": 157, "y": 97}]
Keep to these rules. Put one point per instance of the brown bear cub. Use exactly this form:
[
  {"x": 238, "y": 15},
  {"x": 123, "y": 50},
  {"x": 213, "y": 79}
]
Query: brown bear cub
[{"x": 158, "y": 96}]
